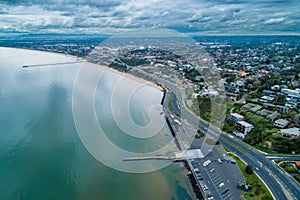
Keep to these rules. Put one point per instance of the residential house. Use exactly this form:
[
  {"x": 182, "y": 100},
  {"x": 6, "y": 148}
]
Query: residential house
[
  {"x": 281, "y": 123},
  {"x": 297, "y": 164},
  {"x": 290, "y": 132},
  {"x": 235, "y": 117},
  {"x": 248, "y": 106},
  {"x": 267, "y": 99},
  {"x": 243, "y": 128},
  {"x": 255, "y": 108},
  {"x": 273, "y": 116},
  {"x": 282, "y": 109},
  {"x": 264, "y": 112},
  {"x": 268, "y": 92}
]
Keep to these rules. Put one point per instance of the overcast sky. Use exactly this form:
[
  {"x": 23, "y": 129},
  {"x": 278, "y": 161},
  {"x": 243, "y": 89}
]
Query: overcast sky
[{"x": 113, "y": 16}]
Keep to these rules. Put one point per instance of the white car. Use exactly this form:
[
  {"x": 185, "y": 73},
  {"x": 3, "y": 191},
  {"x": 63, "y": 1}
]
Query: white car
[
  {"x": 206, "y": 163},
  {"x": 221, "y": 185},
  {"x": 196, "y": 170}
]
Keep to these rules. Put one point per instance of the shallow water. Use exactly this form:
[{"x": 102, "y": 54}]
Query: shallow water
[{"x": 41, "y": 154}]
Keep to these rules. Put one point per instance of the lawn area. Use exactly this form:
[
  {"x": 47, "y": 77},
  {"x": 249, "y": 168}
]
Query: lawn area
[{"x": 259, "y": 191}]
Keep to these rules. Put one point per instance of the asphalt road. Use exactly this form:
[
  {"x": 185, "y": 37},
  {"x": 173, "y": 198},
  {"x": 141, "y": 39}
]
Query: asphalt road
[
  {"x": 267, "y": 170},
  {"x": 224, "y": 172}
]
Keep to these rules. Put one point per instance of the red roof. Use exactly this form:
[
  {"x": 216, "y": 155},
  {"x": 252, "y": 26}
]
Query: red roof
[
  {"x": 297, "y": 163},
  {"x": 243, "y": 73}
]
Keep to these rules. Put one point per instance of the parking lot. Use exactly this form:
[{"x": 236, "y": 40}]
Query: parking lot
[{"x": 220, "y": 177}]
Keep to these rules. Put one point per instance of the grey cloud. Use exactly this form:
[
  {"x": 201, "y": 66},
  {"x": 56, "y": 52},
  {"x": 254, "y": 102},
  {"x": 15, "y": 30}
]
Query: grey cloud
[
  {"x": 221, "y": 16},
  {"x": 275, "y": 20}
]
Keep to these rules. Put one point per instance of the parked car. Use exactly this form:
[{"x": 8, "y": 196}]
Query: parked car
[
  {"x": 196, "y": 170},
  {"x": 221, "y": 185},
  {"x": 225, "y": 191}
]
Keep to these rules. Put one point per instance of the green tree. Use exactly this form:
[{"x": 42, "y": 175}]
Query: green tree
[
  {"x": 291, "y": 169},
  {"x": 249, "y": 169},
  {"x": 200, "y": 133}
]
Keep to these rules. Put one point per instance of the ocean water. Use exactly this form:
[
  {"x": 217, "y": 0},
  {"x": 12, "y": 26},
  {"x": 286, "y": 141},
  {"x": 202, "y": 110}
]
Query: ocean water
[{"x": 42, "y": 154}]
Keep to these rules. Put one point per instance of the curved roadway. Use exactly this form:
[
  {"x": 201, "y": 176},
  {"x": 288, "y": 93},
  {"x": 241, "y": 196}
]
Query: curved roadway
[{"x": 281, "y": 186}]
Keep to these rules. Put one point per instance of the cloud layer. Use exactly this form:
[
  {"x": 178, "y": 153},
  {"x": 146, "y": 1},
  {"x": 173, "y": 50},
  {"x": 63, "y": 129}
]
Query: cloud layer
[{"x": 111, "y": 16}]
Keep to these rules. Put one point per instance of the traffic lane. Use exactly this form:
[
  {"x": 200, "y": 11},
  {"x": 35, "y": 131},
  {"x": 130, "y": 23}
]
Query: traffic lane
[
  {"x": 252, "y": 161},
  {"x": 276, "y": 189},
  {"x": 269, "y": 164},
  {"x": 293, "y": 187},
  {"x": 231, "y": 140},
  {"x": 289, "y": 158}
]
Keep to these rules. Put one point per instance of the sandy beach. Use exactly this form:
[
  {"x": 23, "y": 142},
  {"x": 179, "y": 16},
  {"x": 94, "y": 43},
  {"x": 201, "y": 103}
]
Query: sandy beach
[
  {"x": 82, "y": 60},
  {"x": 124, "y": 74}
]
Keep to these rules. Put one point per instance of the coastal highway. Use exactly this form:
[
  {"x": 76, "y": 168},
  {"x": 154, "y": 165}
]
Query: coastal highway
[{"x": 281, "y": 186}]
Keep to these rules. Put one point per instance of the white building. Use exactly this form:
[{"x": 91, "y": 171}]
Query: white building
[
  {"x": 236, "y": 117},
  {"x": 281, "y": 123},
  {"x": 290, "y": 132},
  {"x": 243, "y": 128}
]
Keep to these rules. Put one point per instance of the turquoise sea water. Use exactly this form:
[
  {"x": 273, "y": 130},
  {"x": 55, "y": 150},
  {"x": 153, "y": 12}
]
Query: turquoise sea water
[{"x": 41, "y": 154}]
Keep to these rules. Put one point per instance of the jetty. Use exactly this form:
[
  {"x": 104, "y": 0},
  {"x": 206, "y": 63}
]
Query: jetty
[
  {"x": 173, "y": 156},
  {"x": 50, "y": 64}
]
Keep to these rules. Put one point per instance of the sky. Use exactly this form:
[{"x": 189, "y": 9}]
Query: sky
[{"x": 209, "y": 17}]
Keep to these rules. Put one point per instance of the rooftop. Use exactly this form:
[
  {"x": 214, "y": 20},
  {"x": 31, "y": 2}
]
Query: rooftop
[
  {"x": 237, "y": 115},
  {"x": 246, "y": 124},
  {"x": 282, "y": 122},
  {"x": 290, "y": 131}
]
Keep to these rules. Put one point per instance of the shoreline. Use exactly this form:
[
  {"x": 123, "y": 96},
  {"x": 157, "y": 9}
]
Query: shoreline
[
  {"x": 84, "y": 61},
  {"x": 192, "y": 187},
  {"x": 125, "y": 74}
]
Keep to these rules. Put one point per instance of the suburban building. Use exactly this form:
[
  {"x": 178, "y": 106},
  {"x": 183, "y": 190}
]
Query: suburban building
[
  {"x": 297, "y": 164},
  {"x": 273, "y": 116},
  {"x": 293, "y": 98},
  {"x": 242, "y": 128},
  {"x": 269, "y": 105},
  {"x": 281, "y": 123},
  {"x": 230, "y": 89},
  {"x": 268, "y": 92},
  {"x": 248, "y": 106},
  {"x": 255, "y": 108},
  {"x": 275, "y": 87},
  {"x": 290, "y": 132},
  {"x": 291, "y": 104},
  {"x": 267, "y": 99},
  {"x": 264, "y": 112},
  {"x": 282, "y": 109},
  {"x": 235, "y": 117}
]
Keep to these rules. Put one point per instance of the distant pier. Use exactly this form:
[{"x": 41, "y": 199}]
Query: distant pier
[{"x": 50, "y": 64}]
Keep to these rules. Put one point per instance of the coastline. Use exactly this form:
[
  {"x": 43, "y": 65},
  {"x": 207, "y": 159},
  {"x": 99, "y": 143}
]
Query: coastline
[
  {"x": 125, "y": 74},
  {"x": 47, "y": 104},
  {"x": 82, "y": 60}
]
